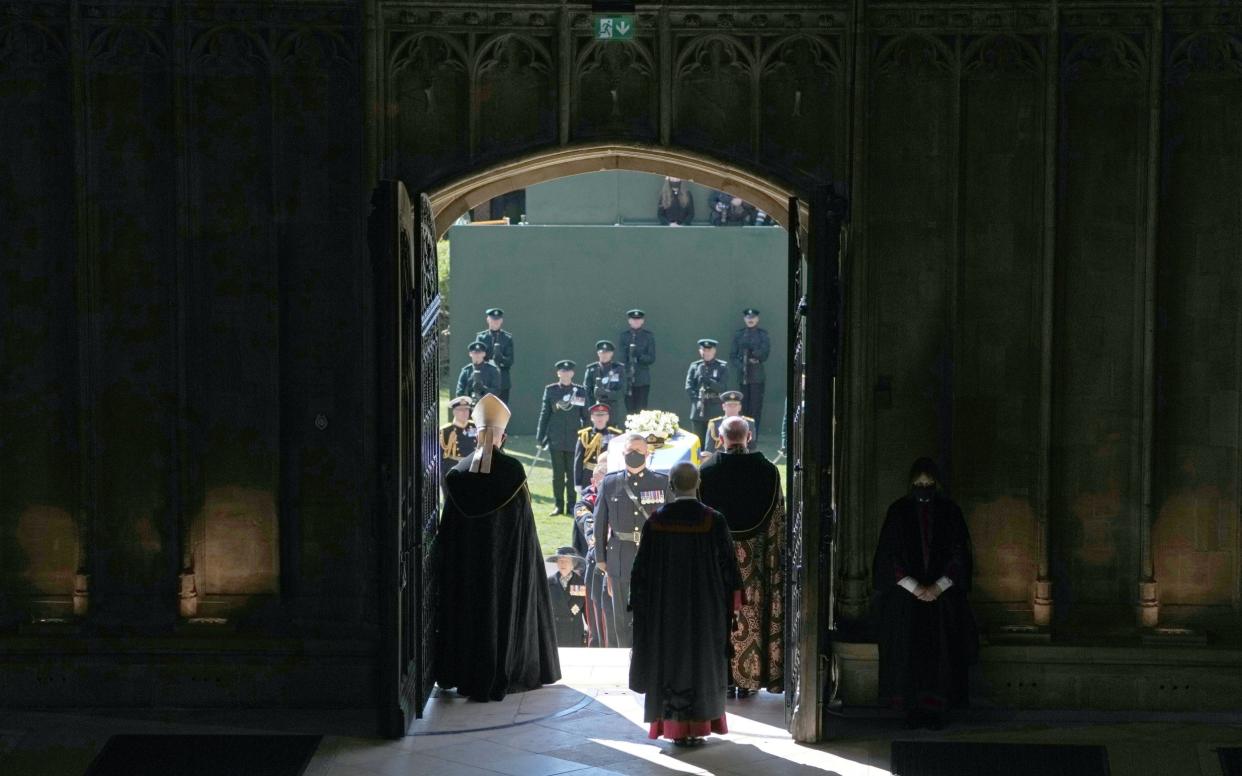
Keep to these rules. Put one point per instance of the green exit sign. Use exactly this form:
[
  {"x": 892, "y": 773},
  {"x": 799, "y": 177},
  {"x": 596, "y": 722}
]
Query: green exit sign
[{"x": 614, "y": 27}]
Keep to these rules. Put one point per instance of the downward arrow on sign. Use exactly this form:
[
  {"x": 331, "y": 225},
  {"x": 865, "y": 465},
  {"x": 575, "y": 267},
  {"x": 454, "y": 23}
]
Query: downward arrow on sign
[{"x": 623, "y": 27}]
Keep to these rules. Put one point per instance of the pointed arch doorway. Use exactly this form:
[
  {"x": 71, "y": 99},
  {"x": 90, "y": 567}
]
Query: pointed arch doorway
[{"x": 404, "y": 228}]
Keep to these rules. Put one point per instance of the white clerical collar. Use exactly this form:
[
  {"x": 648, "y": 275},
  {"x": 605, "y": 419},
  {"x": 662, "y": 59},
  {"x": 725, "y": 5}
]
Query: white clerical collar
[{"x": 687, "y": 498}]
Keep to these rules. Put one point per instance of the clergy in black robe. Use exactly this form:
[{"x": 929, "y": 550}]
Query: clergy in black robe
[
  {"x": 496, "y": 633},
  {"x": 568, "y": 594},
  {"x": 922, "y": 573},
  {"x": 746, "y": 488},
  {"x": 684, "y": 588}
]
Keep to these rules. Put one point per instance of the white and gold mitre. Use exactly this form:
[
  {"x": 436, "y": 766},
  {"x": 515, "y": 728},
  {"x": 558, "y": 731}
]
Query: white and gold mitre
[{"x": 491, "y": 417}]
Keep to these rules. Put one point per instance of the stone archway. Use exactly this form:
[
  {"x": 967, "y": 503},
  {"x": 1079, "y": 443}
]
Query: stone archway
[{"x": 450, "y": 201}]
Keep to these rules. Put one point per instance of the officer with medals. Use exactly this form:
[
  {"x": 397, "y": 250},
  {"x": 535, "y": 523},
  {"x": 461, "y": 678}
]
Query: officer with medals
[
  {"x": 638, "y": 353},
  {"x": 592, "y": 441},
  {"x": 458, "y": 439},
  {"x": 478, "y": 378},
  {"x": 564, "y": 413},
  {"x": 731, "y": 404},
  {"x": 605, "y": 379},
  {"x": 751, "y": 348},
  {"x": 568, "y": 592},
  {"x": 706, "y": 379},
  {"x": 626, "y": 499},
  {"x": 499, "y": 344}
]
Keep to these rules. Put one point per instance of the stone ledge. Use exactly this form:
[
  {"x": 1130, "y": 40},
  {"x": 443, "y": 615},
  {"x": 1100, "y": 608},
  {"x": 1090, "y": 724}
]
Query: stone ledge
[
  {"x": 187, "y": 671},
  {"x": 1050, "y": 676}
]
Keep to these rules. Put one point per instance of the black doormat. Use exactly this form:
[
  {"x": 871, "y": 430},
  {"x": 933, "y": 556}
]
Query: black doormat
[
  {"x": 1230, "y": 760},
  {"x": 943, "y": 758},
  {"x": 243, "y": 755}
]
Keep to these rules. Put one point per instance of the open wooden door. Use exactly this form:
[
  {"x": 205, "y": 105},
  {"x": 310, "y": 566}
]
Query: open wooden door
[
  {"x": 407, "y": 311},
  {"x": 814, "y": 354}
]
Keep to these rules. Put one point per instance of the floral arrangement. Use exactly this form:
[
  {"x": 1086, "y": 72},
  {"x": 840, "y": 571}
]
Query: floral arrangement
[{"x": 653, "y": 423}]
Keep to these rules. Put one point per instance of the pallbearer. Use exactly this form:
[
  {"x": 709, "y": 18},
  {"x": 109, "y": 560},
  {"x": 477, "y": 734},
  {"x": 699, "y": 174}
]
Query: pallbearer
[
  {"x": 746, "y": 488},
  {"x": 496, "y": 633},
  {"x": 626, "y": 499},
  {"x": 706, "y": 379},
  {"x": 564, "y": 413},
  {"x": 605, "y": 380},
  {"x": 638, "y": 353},
  {"x": 478, "y": 378},
  {"x": 592, "y": 442},
  {"x": 499, "y": 344},
  {"x": 751, "y": 348},
  {"x": 731, "y": 406},
  {"x": 457, "y": 439}
]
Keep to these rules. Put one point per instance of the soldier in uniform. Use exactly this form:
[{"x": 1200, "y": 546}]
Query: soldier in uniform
[
  {"x": 564, "y": 413},
  {"x": 626, "y": 499},
  {"x": 751, "y": 347},
  {"x": 478, "y": 378},
  {"x": 638, "y": 353},
  {"x": 706, "y": 379},
  {"x": 568, "y": 592},
  {"x": 592, "y": 441},
  {"x": 731, "y": 404},
  {"x": 499, "y": 344},
  {"x": 598, "y": 604},
  {"x": 457, "y": 439},
  {"x": 605, "y": 379}
]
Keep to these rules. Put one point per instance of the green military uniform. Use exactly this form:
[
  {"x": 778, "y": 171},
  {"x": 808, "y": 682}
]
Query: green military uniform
[
  {"x": 751, "y": 348},
  {"x": 606, "y": 382},
  {"x": 638, "y": 352},
  {"x": 705, "y": 381},
  {"x": 499, "y": 346},
  {"x": 564, "y": 412}
]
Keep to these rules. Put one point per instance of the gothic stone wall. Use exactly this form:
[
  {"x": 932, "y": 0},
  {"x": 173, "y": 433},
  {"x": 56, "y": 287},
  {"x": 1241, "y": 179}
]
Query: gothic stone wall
[{"x": 1043, "y": 276}]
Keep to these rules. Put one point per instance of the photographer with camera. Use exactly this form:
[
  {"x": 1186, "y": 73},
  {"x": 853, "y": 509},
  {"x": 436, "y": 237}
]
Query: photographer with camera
[
  {"x": 478, "y": 378},
  {"x": 605, "y": 379},
  {"x": 728, "y": 210},
  {"x": 705, "y": 381}
]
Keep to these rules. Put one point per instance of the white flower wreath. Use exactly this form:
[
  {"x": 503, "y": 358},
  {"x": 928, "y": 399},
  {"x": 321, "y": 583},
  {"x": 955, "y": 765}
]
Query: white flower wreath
[{"x": 653, "y": 422}]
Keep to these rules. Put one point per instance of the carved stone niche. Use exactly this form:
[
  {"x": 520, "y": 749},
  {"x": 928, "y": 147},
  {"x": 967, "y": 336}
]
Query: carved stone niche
[
  {"x": 713, "y": 96},
  {"x": 516, "y": 91},
  {"x": 801, "y": 104},
  {"x": 428, "y": 106},
  {"x": 615, "y": 91}
]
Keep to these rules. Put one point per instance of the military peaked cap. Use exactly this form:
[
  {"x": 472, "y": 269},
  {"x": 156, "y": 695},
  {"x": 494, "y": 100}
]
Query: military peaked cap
[
  {"x": 605, "y": 345},
  {"x": 461, "y": 401},
  {"x": 597, "y": 408},
  {"x": 750, "y": 311},
  {"x": 731, "y": 396},
  {"x": 477, "y": 347},
  {"x": 495, "y": 312},
  {"x": 565, "y": 364},
  {"x": 635, "y": 313},
  {"x": 708, "y": 343}
]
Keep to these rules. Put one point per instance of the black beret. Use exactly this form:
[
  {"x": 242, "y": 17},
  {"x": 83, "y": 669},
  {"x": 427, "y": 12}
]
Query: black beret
[
  {"x": 477, "y": 347},
  {"x": 635, "y": 313},
  {"x": 495, "y": 312},
  {"x": 605, "y": 345},
  {"x": 708, "y": 343},
  {"x": 565, "y": 364}
]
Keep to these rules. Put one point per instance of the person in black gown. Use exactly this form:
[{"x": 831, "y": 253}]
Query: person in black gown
[
  {"x": 567, "y": 590},
  {"x": 922, "y": 573},
  {"x": 496, "y": 633},
  {"x": 684, "y": 590}
]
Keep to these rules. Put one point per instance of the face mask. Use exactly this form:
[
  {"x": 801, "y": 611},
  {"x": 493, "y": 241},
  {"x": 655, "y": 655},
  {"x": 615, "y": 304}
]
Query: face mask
[
  {"x": 635, "y": 459},
  {"x": 924, "y": 493}
]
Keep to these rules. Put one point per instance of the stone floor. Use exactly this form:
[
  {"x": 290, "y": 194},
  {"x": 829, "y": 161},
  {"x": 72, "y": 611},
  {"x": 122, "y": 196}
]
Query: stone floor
[{"x": 589, "y": 725}]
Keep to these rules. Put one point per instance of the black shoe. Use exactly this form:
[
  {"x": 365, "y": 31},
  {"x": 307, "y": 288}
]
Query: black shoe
[
  {"x": 731, "y": 692},
  {"x": 742, "y": 692},
  {"x": 695, "y": 741},
  {"x": 681, "y": 741}
]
